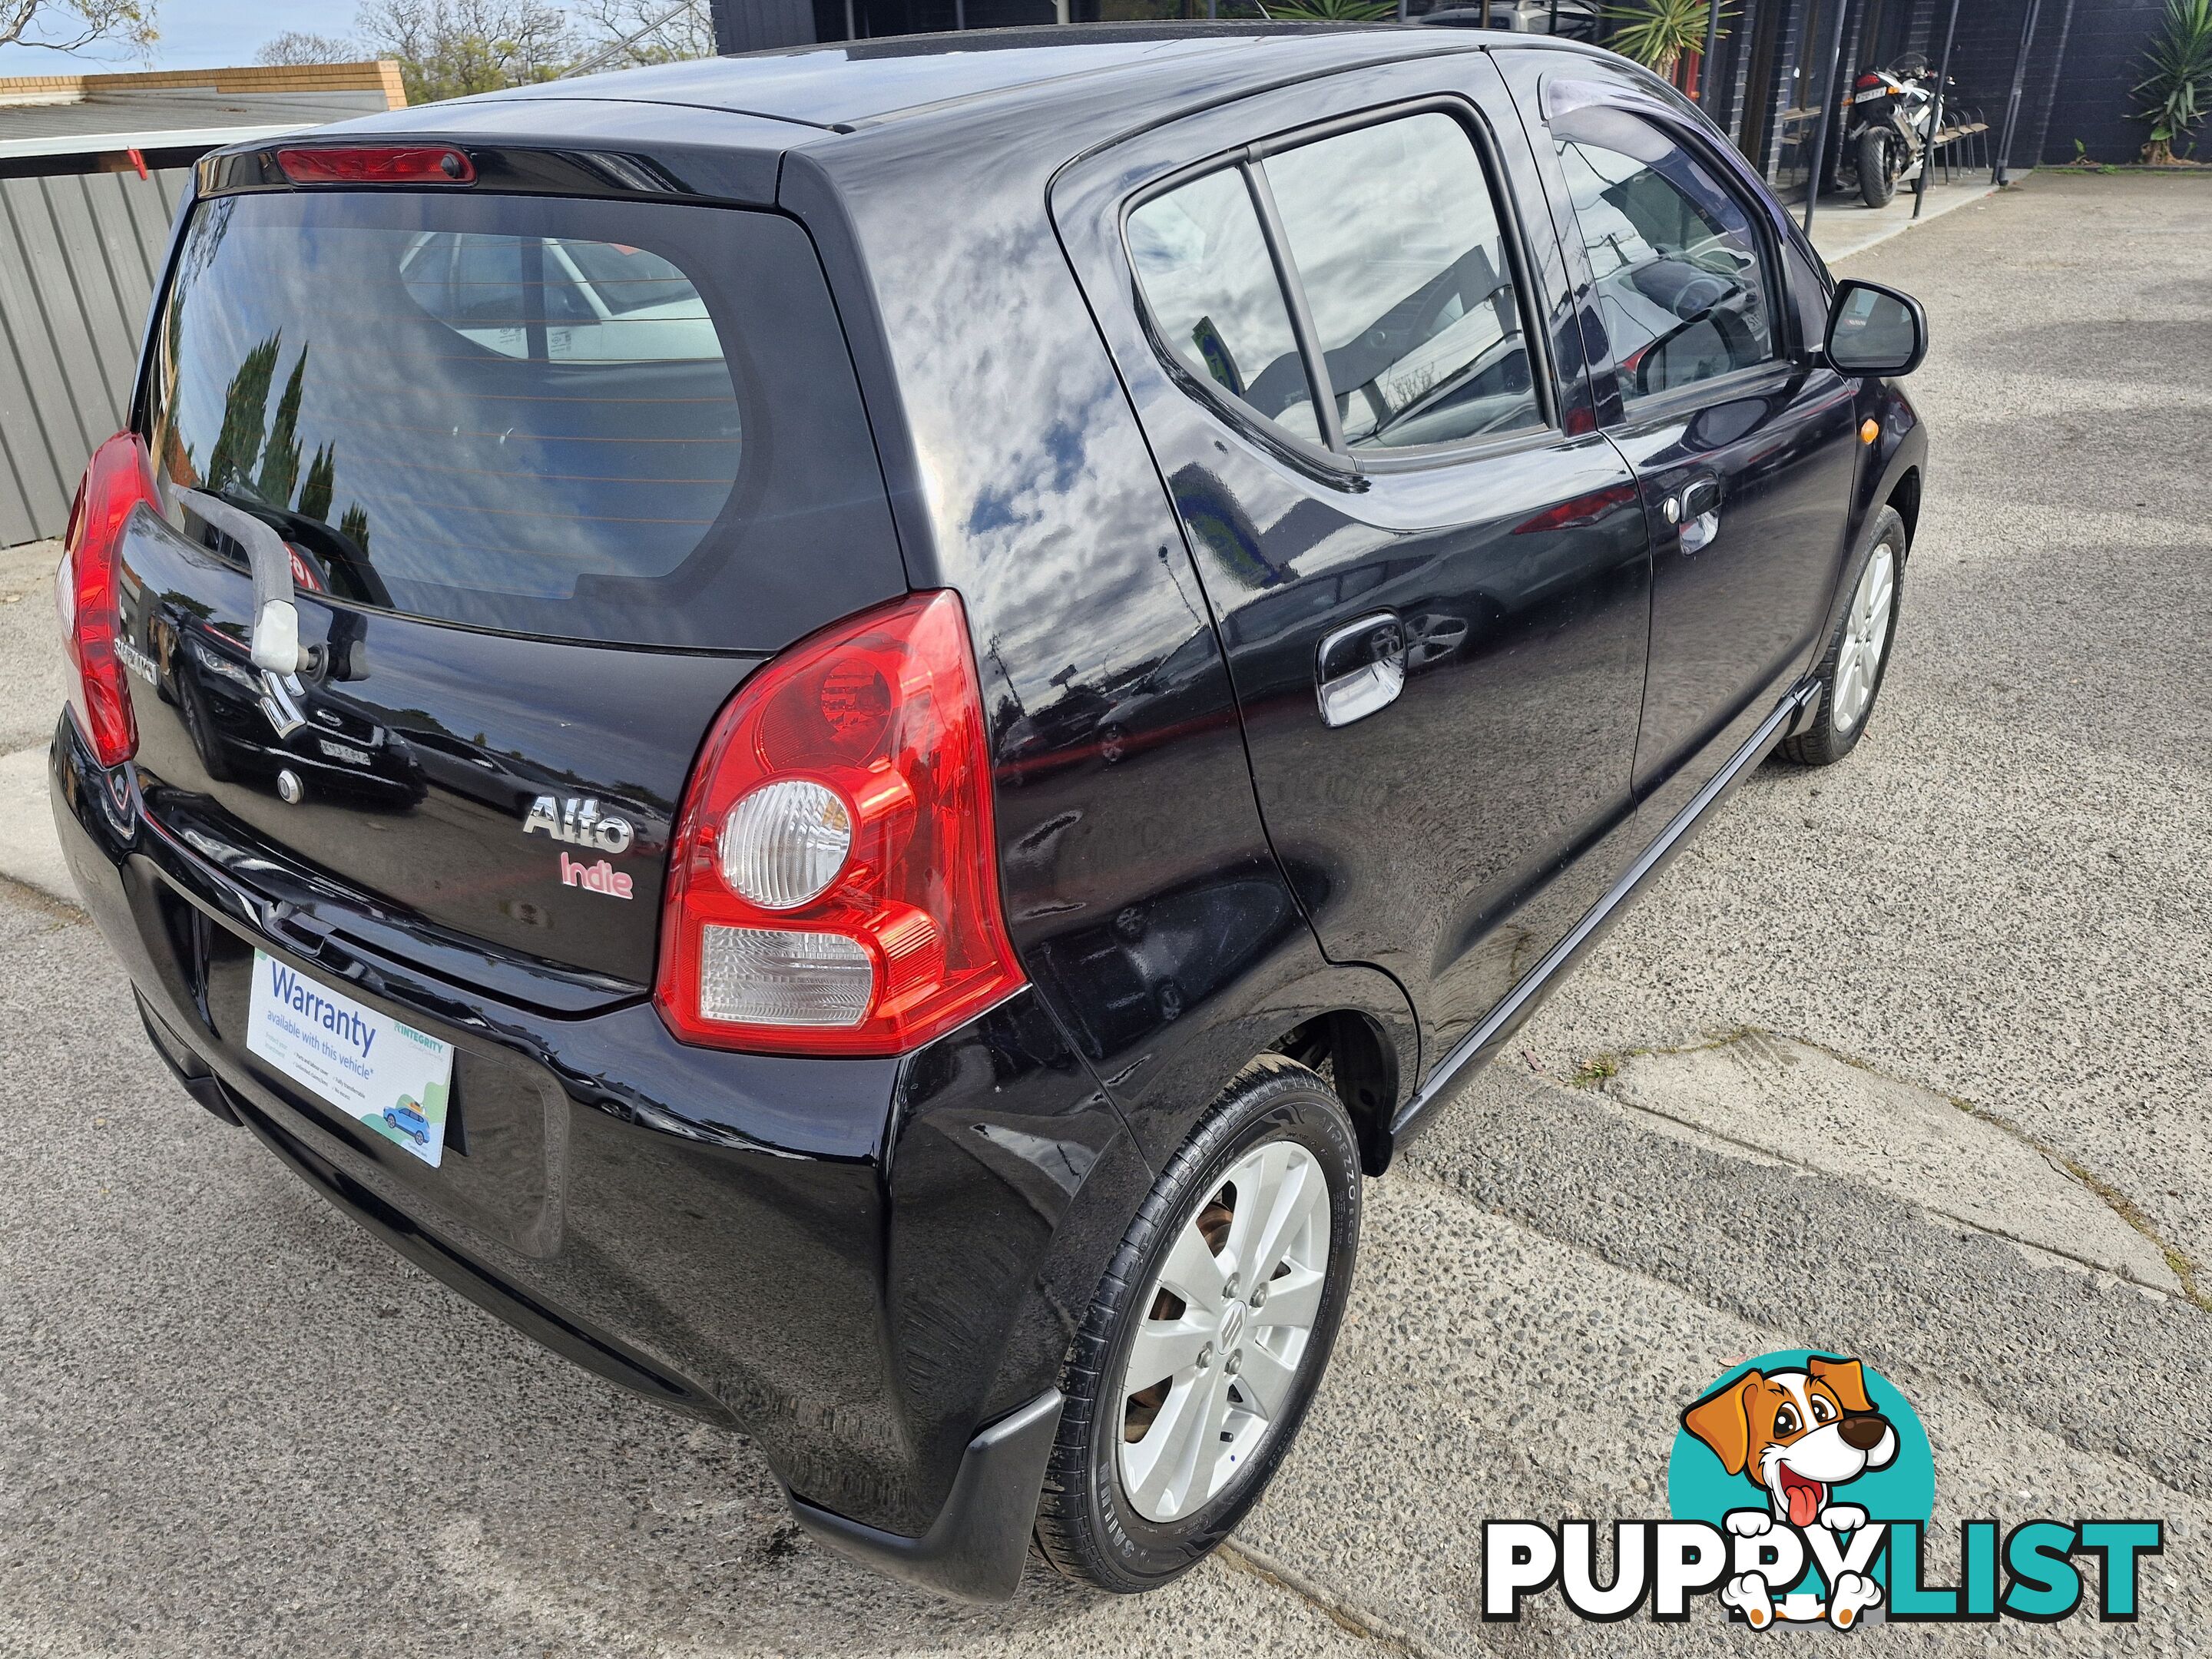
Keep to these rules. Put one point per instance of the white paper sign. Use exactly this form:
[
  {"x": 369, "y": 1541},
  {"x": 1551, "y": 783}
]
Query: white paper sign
[{"x": 392, "y": 1077}]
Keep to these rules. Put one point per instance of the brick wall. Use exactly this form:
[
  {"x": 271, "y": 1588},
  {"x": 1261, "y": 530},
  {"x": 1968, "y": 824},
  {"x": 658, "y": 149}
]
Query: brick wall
[{"x": 380, "y": 76}]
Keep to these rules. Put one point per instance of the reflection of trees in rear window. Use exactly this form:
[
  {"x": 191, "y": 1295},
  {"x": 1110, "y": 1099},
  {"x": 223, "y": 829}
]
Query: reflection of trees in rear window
[{"x": 516, "y": 418}]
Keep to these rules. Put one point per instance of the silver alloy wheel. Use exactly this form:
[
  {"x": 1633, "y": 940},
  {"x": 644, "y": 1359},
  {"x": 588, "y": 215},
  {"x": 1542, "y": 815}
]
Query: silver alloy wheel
[
  {"x": 1225, "y": 1325},
  {"x": 1866, "y": 631}
]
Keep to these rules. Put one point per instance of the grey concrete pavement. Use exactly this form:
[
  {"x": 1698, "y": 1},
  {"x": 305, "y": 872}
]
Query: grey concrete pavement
[
  {"x": 30, "y": 662},
  {"x": 1844, "y": 225},
  {"x": 230, "y": 1422},
  {"x": 2001, "y": 896},
  {"x": 30, "y": 697}
]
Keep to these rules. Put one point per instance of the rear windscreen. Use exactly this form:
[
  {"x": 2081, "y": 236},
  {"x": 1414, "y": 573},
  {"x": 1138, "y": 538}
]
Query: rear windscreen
[{"x": 611, "y": 421}]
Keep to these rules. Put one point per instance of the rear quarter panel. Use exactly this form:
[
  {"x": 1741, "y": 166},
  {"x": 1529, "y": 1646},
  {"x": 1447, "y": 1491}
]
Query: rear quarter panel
[{"x": 1140, "y": 892}]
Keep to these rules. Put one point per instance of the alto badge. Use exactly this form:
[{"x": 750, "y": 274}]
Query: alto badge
[{"x": 580, "y": 823}]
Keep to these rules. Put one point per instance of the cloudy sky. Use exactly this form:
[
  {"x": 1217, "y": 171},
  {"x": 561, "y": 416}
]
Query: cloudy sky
[{"x": 197, "y": 34}]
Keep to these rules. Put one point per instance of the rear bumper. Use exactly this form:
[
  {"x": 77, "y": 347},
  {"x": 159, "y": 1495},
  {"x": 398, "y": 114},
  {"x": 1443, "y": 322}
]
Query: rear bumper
[{"x": 870, "y": 1268}]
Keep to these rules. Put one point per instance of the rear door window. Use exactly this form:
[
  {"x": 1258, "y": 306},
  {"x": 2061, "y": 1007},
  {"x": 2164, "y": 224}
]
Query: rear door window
[
  {"x": 1398, "y": 244},
  {"x": 615, "y": 421},
  {"x": 1386, "y": 244},
  {"x": 1202, "y": 259}
]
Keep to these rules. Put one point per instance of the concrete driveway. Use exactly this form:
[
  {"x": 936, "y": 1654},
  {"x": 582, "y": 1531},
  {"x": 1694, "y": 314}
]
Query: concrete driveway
[{"x": 1905, "y": 1059}]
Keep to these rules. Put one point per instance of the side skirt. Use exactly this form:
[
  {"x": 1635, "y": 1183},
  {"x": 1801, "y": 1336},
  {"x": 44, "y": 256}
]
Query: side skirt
[{"x": 1482, "y": 1043}]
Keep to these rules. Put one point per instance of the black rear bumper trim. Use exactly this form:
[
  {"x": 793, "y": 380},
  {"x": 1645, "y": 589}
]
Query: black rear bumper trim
[
  {"x": 439, "y": 1259},
  {"x": 975, "y": 1550},
  {"x": 191, "y": 1070}
]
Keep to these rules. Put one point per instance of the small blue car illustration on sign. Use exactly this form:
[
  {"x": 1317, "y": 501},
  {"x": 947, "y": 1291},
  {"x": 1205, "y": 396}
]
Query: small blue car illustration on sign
[{"x": 406, "y": 1118}]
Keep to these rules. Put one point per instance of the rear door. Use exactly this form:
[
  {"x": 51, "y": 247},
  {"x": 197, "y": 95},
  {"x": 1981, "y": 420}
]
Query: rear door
[
  {"x": 554, "y": 474},
  {"x": 1744, "y": 444},
  {"x": 1429, "y": 574}
]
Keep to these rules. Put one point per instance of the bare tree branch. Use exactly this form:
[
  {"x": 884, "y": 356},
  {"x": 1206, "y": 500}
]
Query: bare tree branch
[
  {"x": 690, "y": 33},
  {"x": 450, "y": 48},
  {"x": 80, "y": 23},
  {"x": 295, "y": 46}
]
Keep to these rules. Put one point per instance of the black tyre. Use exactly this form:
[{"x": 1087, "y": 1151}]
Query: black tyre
[
  {"x": 1877, "y": 170},
  {"x": 1230, "y": 1284},
  {"x": 1858, "y": 655},
  {"x": 200, "y": 725}
]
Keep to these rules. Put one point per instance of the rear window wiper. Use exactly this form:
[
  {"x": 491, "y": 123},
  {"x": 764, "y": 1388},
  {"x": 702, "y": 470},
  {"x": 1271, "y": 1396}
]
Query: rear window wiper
[
  {"x": 274, "y": 645},
  {"x": 276, "y": 636}
]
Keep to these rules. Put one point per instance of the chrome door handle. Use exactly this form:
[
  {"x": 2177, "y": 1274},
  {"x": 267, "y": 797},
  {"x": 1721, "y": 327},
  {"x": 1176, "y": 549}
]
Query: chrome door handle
[
  {"x": 1696, "y": 513},
  {"x": 1360, "y": 668}
]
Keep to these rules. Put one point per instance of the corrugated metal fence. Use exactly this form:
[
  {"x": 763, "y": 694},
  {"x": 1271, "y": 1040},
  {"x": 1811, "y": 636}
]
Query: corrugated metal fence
[{"x": 78, "y": 256}]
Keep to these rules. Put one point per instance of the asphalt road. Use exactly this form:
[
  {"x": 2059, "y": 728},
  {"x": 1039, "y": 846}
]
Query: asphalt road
[{"x": 1903, "y": 1060}]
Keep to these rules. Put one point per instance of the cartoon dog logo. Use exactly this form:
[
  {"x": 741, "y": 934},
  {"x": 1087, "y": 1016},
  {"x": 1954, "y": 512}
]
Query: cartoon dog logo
[{"x": 1797, "y": 1436}]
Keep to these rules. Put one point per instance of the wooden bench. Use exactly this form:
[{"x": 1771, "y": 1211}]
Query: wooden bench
[{"x": 1940, "y": 148}]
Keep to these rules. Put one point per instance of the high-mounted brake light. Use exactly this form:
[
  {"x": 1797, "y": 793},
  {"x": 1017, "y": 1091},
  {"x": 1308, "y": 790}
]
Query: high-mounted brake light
[
  {"x": 377, "y": 164},
  {"x": 119, "y": 476},
  {"x": 833, "y": 880}
]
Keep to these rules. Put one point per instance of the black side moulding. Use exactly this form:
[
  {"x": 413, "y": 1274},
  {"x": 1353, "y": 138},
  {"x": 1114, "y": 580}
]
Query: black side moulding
[{"x": 975, "y": 1548}]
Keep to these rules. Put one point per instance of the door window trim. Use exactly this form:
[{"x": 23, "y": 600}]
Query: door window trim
[{"x": 1337, "y": 461}]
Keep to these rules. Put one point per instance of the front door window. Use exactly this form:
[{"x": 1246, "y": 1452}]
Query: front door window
[{"x": 1682, "y": 285}]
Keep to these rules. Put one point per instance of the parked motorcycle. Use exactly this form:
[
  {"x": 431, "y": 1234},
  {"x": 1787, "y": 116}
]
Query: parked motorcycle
[{"x": 1892, "y": 119}]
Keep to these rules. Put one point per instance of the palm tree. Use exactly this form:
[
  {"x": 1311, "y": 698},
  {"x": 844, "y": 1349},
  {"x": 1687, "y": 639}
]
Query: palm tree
[
  {"x": 1329, "y": 11},
  {"x": 1657, "y": 32},
  {"x": 2179, "y": 84}
]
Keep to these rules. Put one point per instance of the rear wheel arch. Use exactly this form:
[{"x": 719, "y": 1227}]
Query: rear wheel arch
[
  {"x": 1350, "y": 1050},
  {"x": 1092, "y": 1523}
]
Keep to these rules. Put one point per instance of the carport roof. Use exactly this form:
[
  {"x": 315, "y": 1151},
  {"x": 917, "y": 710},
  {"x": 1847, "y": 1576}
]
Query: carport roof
[{"x": 63, "y": 115}]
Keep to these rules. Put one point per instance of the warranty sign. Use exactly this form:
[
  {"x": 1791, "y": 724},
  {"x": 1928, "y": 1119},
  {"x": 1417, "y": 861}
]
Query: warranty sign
[{"x": 392, "y": 1077}]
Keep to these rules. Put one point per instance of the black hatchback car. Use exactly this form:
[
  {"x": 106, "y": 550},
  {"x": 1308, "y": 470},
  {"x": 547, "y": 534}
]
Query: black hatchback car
[{"x": 850, "y": 730}]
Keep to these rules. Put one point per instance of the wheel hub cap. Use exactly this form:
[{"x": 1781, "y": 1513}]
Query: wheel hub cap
[
  {"x": 1866, "y": 635},
  {"x": 1210, "y": 1370}
]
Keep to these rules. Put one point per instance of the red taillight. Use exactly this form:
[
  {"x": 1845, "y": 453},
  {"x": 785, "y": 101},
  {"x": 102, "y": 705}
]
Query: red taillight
[
  {"x": 119, "y": 477},
  {"x": 1866, "y": 80},
  {"x": 377, "y": 164},
  {"x": 833, "y": 880}
]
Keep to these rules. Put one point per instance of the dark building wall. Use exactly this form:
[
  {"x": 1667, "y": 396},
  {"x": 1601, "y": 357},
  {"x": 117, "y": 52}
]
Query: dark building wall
[
  {"x": 2083, "y": 62},
  {"x": 869, "y": 19},
  {"x": 756, "y": 25},
  {"x": 1983, "y": 57},
  {"x": 2096, "y": 94}
]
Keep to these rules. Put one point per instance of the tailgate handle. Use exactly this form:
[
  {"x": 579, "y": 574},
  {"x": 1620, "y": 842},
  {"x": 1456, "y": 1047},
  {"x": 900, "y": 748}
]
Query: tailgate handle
[{"x": 275, "y": 642}]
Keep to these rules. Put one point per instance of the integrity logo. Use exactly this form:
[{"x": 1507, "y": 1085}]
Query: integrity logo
[{"x": 1800, "y": 1486}]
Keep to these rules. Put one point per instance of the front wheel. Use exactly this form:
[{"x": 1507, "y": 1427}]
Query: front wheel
[
  {"x": 1877, "y": 167},
  {"x": 1208, "y": 1336},
  {"x": 1858, "y": 656}
]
